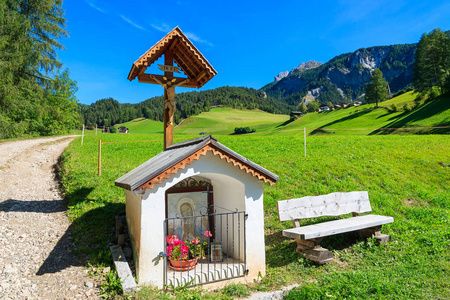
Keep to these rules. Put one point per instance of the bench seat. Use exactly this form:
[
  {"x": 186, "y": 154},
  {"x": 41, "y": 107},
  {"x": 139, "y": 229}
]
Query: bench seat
[{"x": 337, "y": 226}]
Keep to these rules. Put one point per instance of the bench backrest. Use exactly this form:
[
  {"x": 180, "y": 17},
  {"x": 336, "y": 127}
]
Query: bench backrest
[{"x": 333, "y": 204}]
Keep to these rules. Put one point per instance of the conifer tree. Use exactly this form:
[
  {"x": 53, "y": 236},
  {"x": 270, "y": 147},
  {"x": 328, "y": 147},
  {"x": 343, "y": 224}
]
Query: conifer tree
[
  {"x": 432, "y": 62},
  {"x": 29, "y": 38},
  {"x": 302, "y": 107},
  {"x": 376, "y": 90}
]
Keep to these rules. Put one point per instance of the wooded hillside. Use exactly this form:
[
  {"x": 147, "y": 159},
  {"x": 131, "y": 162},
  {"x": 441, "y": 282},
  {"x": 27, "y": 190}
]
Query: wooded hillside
[{"x": 107, "y": 112}]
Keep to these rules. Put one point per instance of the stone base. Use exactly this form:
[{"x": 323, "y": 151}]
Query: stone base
[
  {"x": 319, "y": 255},
  {"x": 314, "y": 251},
  {"x": 382, "y": 238},
  {"x": 375, "y": 232}
]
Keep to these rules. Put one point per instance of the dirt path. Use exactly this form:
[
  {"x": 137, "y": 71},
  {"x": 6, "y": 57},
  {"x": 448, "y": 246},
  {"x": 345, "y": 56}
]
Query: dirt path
[{"x": 35, "y": 245}]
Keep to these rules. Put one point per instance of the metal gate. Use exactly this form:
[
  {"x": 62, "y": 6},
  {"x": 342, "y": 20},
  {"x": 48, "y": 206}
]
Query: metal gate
[{"x": 204, "y": 248}]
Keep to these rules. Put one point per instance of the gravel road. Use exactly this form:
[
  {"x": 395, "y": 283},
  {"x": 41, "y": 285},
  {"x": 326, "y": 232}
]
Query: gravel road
[{"x": 35, "y": 243}]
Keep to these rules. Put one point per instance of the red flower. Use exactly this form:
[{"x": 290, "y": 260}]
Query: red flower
[
  {"x": 170, "y": 239},
  {"x": 175, "y": 238},
  {"x": 208, "y": 233},
  {"x": 184, "y": 249},
  {"x": 195, "y": 241}
]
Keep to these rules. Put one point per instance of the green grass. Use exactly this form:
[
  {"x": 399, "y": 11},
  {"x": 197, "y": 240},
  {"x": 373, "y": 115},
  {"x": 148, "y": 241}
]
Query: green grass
[
  {"x": 222, "y": 121},
  {"x": 406, "y": 98},
  {"x": 400, "y": 172},
  {"x": 368, "y": 120},
  {"x": 142, "y": 125},
  {"x": 362, "y": 120}
]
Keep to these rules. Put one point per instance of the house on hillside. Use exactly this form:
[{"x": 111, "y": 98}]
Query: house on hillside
[
  {"x": 197, "y": 192},
  {"x": 296, "y": 113},
  {"x": 123, "y": 129},
  {"x": 324, "y": 107},
  {"x": 343, "y": 105}
]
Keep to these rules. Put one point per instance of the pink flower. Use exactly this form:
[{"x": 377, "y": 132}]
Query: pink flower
[
  {"x": 183, "y": 256},
  {"x": 175, "y": 238},
  {"x": 169, "y": 239},
  {"x": 208, "y": 233},
  {"x": 169, "y": 250},
  {"x": 178, "y": 242},
  {"x": 195, "y": 241},
  {"x": 184, "y": 249}
]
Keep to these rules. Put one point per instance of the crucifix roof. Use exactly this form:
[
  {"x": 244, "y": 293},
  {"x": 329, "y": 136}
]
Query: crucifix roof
[
  {"x": 185, "y": 55},
  {"x": 179, "y": 155}
]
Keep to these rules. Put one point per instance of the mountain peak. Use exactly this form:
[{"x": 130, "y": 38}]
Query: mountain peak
[{"x": 311, "y": 64}]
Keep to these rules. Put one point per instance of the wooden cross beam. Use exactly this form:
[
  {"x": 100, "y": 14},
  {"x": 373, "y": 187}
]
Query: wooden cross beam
[{"x": 175, "y": 46}]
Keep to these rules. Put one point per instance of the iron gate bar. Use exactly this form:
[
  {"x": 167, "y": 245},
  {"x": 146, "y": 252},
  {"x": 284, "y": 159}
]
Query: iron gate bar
[{"x": 236, "y": 262}]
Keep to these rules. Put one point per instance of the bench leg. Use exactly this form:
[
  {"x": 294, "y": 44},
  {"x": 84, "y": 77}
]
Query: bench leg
[
  {"x": 314, "y": 251},
  {"x": 375, "y": 232}
]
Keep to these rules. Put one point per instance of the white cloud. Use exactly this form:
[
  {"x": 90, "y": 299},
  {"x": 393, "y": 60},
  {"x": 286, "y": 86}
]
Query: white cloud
[
  {"x": 95, "y": 7},
  {"x": 196, "y": 38},
  {"x": 132, "y": 23},
  {"x": 163, "y": 27}
]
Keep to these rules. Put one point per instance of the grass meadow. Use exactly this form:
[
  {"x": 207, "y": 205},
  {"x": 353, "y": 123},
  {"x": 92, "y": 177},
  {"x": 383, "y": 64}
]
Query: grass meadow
[
  {"x": 401, "y": 173},
  {"x": 362, "y": 120}
]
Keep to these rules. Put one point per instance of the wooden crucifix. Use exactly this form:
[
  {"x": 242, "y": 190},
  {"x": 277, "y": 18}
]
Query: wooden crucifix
[{"x": 175, "y": 47}]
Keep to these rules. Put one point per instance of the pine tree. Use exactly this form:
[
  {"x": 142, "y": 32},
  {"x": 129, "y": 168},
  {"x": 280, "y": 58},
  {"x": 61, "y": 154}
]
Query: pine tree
[
  {"x": 432, "y": 62},
  {"x": 29, "y": 34},
  {"x": 302, "y": 107},
  {"x": 376, "y": 90}
]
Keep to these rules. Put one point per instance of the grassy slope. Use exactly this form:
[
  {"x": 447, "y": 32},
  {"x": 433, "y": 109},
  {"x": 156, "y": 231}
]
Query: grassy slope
[
  {"x": 401, "y": 173},
  {"x": 222, "y": 121},
  {"x": 345, "y": 121},
  {"x": 142, "y": 125}
]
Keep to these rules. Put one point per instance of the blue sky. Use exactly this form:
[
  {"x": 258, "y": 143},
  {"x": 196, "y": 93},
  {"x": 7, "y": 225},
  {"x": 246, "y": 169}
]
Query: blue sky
[{"x": 247, "y": 42}]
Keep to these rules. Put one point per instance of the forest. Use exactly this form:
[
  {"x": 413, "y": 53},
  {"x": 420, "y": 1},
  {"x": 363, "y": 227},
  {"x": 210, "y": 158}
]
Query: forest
[
  {"x": 108, "y": 112},
  {"x": 37, "y": 96}
]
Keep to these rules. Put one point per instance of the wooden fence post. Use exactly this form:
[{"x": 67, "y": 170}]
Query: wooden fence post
[
  {"x": 99, "y": 157},
  {"x": 304, "y": 137},
  {"x": 82, "y": 136}
]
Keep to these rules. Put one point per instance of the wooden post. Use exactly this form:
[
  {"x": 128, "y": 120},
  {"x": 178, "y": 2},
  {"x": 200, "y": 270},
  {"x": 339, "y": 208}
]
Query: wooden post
[
  {"x": 82, "y": 136},
  {"x": 99, "y": 157},
  {"x": 304, "y": 137},
  {"x": 95, "y": 129},
  {"x": 169, "y": 102}
]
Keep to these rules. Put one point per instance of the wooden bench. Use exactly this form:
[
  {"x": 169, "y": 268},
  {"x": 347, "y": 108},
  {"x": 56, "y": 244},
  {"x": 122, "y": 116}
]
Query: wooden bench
[{"x": 334, "y": 204}]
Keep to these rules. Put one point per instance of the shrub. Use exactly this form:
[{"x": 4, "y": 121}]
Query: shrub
[
  {"x": 407, "y": 107},
  {"x": 113, "y": 129},
  {"x": 434, "y": 92},
  {"x": 243, "y": 130},
  {"x": 393, "y": 107}
]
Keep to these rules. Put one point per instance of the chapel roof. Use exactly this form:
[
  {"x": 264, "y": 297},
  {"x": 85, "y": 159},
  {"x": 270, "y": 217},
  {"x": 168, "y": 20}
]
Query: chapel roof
[
  {"x": 177, "y": 156},
  {"x": 185, "y": 54}
]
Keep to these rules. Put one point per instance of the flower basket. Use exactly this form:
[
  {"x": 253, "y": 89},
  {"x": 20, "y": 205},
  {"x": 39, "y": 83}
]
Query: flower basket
[{"x": 183, "y": 265}]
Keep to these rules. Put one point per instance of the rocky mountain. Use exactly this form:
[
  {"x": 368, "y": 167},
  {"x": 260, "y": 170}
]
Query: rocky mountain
[
  {"x": 302, "y": 67},
  {"x": 344, "y": 77}
]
